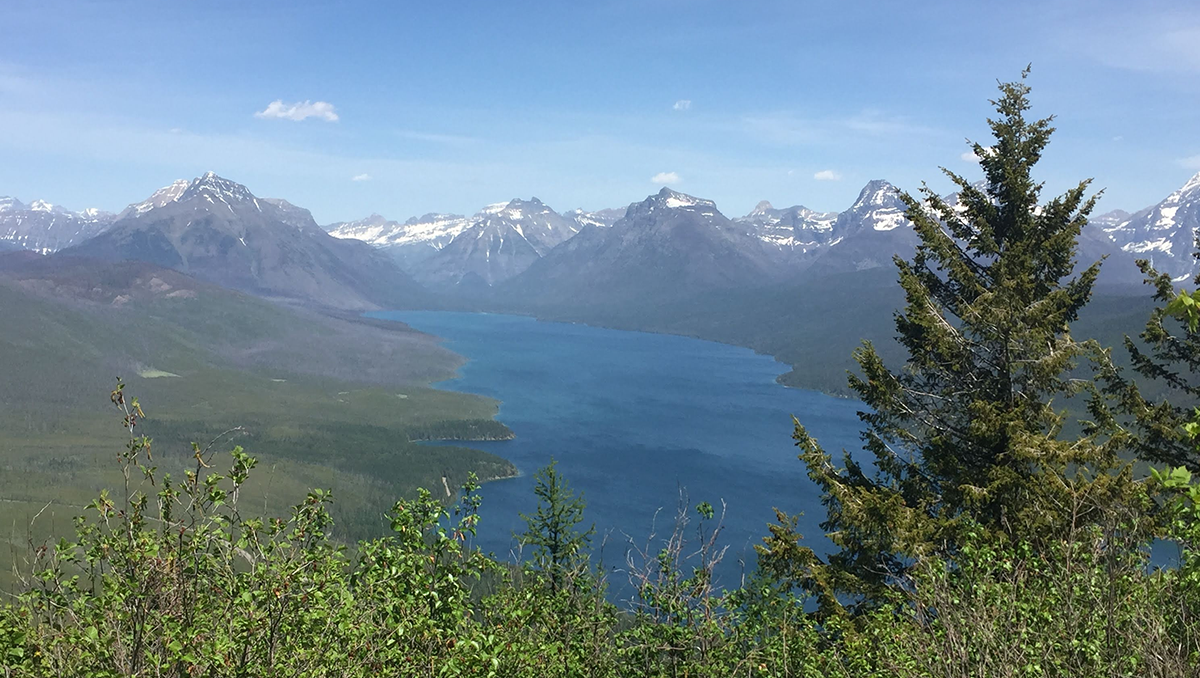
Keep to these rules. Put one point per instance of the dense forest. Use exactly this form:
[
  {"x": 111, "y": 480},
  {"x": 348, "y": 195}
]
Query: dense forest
[{"x": 982, "y": 531}]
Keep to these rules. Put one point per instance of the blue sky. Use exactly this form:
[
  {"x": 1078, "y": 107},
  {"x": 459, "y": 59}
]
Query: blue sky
[{"x": 444, "y": 106}]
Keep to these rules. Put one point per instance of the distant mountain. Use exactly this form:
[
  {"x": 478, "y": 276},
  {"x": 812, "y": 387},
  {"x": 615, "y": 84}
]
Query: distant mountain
[
  {"x": 601, "y": 218},
  {"x": 796, "y": 231},
  {"x": 43, "y": 227},
  {"x": 217, "y": 230},
  {"x": 409, "y": 243},
  {"x": 1108, "y": 220},
  {"x": 868, "y": 234},
  {"x": 670, "y": 245},
  {"x": 1165, "y": 233},
  {"x": 501, "y": 241}
]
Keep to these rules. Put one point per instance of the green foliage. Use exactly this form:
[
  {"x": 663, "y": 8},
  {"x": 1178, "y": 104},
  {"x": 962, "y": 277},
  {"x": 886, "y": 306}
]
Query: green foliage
[
  {"x": 171, "y": 578},
  {"x": 968, "y": 432},
  {"x": 1163, "y": 428},
  {"x": 559, "y": 546}
]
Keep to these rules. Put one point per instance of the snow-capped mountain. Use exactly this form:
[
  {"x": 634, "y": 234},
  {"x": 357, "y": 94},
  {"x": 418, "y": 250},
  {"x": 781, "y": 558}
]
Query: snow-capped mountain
[
  {"x": 792, "y": 229},
  {"x": 448, "y": 250},
  {"x": 1165, "y": 233},
  {"x": 43, "y": 227},
  {"x": 1109, "y": 220},
  {"x": 600, "y": 218},
  {"x": 410, "y": 242},
  {"x": 500, "y": 242},
  {"x": 667, "y": 246},
  {"x": 159, "y": 198},
  {"x": 878, "y": 209},
  {"x": 217, "y": 230},
  {"x": 868, "y": 234}
]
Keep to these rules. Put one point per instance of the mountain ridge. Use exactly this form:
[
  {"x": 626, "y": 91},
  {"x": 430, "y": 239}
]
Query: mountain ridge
[{"x": 219, "y": 231}]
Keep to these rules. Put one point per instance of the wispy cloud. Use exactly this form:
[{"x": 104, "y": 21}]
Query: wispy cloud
[
  {"x": 301, "y": 110},
  {"x": 795, "y": 130},
  {"x": 434, "y": 138},
  {"x": 1192, "y": 162},
  {"x": 682, "y": 105},
  {"x": 361, "y": 177},
  {"x": 1157, "y": 40},
  {"x": 828, "y": 175},
  {"x": 969, "y": 156},
  {"x": 665, "y": 178}
]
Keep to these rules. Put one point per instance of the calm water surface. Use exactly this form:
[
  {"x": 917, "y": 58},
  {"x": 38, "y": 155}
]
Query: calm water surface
[{"x": 634, "y": 419}]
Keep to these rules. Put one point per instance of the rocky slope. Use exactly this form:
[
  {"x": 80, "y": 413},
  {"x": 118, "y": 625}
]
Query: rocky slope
[{"x": 217, "y": 230}]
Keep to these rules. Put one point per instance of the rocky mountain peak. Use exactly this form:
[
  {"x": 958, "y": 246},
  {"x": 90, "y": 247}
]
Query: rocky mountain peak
[
  {"x": 212, "y": 187},
  {"x": 878, "y": 208},
  {"x": 671, "y": 199},
  {"x": 877, "y": 193},
  {"x": 1191, "y": 187},
  {"x": 162, "y": 196}
]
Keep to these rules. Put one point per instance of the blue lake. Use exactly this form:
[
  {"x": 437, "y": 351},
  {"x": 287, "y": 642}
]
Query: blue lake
[{"x": 634, "y": 419}]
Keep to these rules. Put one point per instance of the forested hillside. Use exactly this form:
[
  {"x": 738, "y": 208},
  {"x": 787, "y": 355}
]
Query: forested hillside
[{"x": 325, "y": 400}]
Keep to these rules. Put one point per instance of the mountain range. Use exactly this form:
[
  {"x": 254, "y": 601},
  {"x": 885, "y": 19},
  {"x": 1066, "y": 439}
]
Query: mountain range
[
  {"x": 43, "y": 227},
  {"x": 452, "y": 251},
  {"x": 502, "y": 241},
  {"x": 502, "y": 251},
  {"x": 523, "y": 252},
  {"x": 670, "y": 245}
]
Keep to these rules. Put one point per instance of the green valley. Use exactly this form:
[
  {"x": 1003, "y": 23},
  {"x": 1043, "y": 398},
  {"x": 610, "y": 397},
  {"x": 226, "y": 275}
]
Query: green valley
[{"x": 325, "y": 399}]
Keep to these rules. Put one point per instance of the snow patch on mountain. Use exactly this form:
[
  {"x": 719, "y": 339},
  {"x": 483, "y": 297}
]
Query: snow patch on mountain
[
  {"x": 161, "y": 197},
  {"x": 600, "y": 218}
]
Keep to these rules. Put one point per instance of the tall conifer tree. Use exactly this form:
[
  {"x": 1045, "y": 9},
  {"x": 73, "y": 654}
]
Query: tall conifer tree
[
  {"x": 967, "y": 434},
  {"x": 560, "y": 546}
]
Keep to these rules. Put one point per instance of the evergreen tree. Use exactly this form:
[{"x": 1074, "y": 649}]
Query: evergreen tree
[
  {"x": 1162, "y": 430},
  {"x": 560, "y": 547},
  {"x": 966, "y": 436}
]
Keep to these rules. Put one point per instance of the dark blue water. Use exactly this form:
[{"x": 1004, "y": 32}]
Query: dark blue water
[{"x": 634, "y": 419}]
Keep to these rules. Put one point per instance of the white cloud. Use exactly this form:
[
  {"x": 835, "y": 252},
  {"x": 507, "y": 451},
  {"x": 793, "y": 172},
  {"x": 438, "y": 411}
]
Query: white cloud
[
  {"x": 361, "y": 177},
  {"x": 665, "y": 178},
  {"x": 302, "y": 110},
  {"x": 828, "y": 175},
  {"x": 1192, "y": 162},
  {"x": 682, "y": 105}
]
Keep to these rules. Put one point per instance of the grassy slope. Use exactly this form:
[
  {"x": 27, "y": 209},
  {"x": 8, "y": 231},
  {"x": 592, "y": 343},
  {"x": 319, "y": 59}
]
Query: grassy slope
[{"x": 323, "y": 401}]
